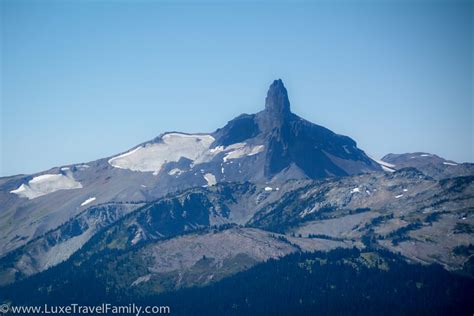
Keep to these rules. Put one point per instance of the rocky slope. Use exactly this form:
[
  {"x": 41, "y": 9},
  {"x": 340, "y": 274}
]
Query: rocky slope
[
  {"x": 430, "y": 164},
  {"x": 234, "y": 226}
]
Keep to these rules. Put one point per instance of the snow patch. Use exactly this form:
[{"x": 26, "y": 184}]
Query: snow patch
[
  {"x": 355, "y": 190},
  {"x": 385, "y": 165},
  {"x": 141, "y": 279},
  {"x": 210, "y": 178},
  {"x": 308, "y": 211},
  {"x": 89, "y": 200},
  {"x": 387, "y": 169},
  {"x": 45, "y": 184},
  {"x": 137, "y": 237},
  {"x": 175, "y": 172},
  {"x": 449, "y": 163},
  {"x": 242, "y": 151}
]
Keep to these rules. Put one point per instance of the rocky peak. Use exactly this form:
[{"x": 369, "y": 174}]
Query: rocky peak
[{"x": 277, "y": 104}]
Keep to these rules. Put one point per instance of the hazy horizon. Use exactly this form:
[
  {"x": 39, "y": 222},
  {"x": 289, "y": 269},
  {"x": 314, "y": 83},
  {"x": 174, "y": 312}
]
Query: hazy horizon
[{"x": 82, "y": 81}]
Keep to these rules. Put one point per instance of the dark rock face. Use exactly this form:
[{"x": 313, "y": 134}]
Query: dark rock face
[
  {"x": 277, "y": 104},
  {"x": 314, "y": 149},
  {"x": 238, "y": 130},
  {"x": 294, "y": 147}
]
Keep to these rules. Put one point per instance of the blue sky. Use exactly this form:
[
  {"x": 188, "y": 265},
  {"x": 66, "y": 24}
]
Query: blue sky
[{"x": 82, "y": 80}]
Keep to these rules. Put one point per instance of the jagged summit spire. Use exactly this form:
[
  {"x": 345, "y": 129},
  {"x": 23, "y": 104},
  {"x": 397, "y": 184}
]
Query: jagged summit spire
[{"x": 277, "y": 102}]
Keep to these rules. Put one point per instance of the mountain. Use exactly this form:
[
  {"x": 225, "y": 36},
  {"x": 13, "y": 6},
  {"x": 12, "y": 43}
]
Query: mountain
[
  {"x": 201, "y": 210},
  {"x": 273, "y": 145},
  {"x": 292, "y": 145},
  {"x": 430, "y": 164}
]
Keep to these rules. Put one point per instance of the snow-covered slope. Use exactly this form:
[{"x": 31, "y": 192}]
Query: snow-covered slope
[
  {"x": 45, "y": 184},
  {"x": 152, "y": 156},
  {"x": 173, "y": 146}
]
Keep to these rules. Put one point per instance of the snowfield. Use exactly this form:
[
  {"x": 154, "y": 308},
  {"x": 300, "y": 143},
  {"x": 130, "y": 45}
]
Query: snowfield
[
  {"x": 151, "y": 157},
  {"x": 45, "y": 184}
]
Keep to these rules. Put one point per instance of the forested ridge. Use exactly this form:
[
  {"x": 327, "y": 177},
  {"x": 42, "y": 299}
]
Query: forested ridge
[{"x": 342, "y": 281}]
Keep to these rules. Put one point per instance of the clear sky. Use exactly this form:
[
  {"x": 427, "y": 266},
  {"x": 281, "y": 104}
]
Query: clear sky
[{"x": 82, "y": 80}]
